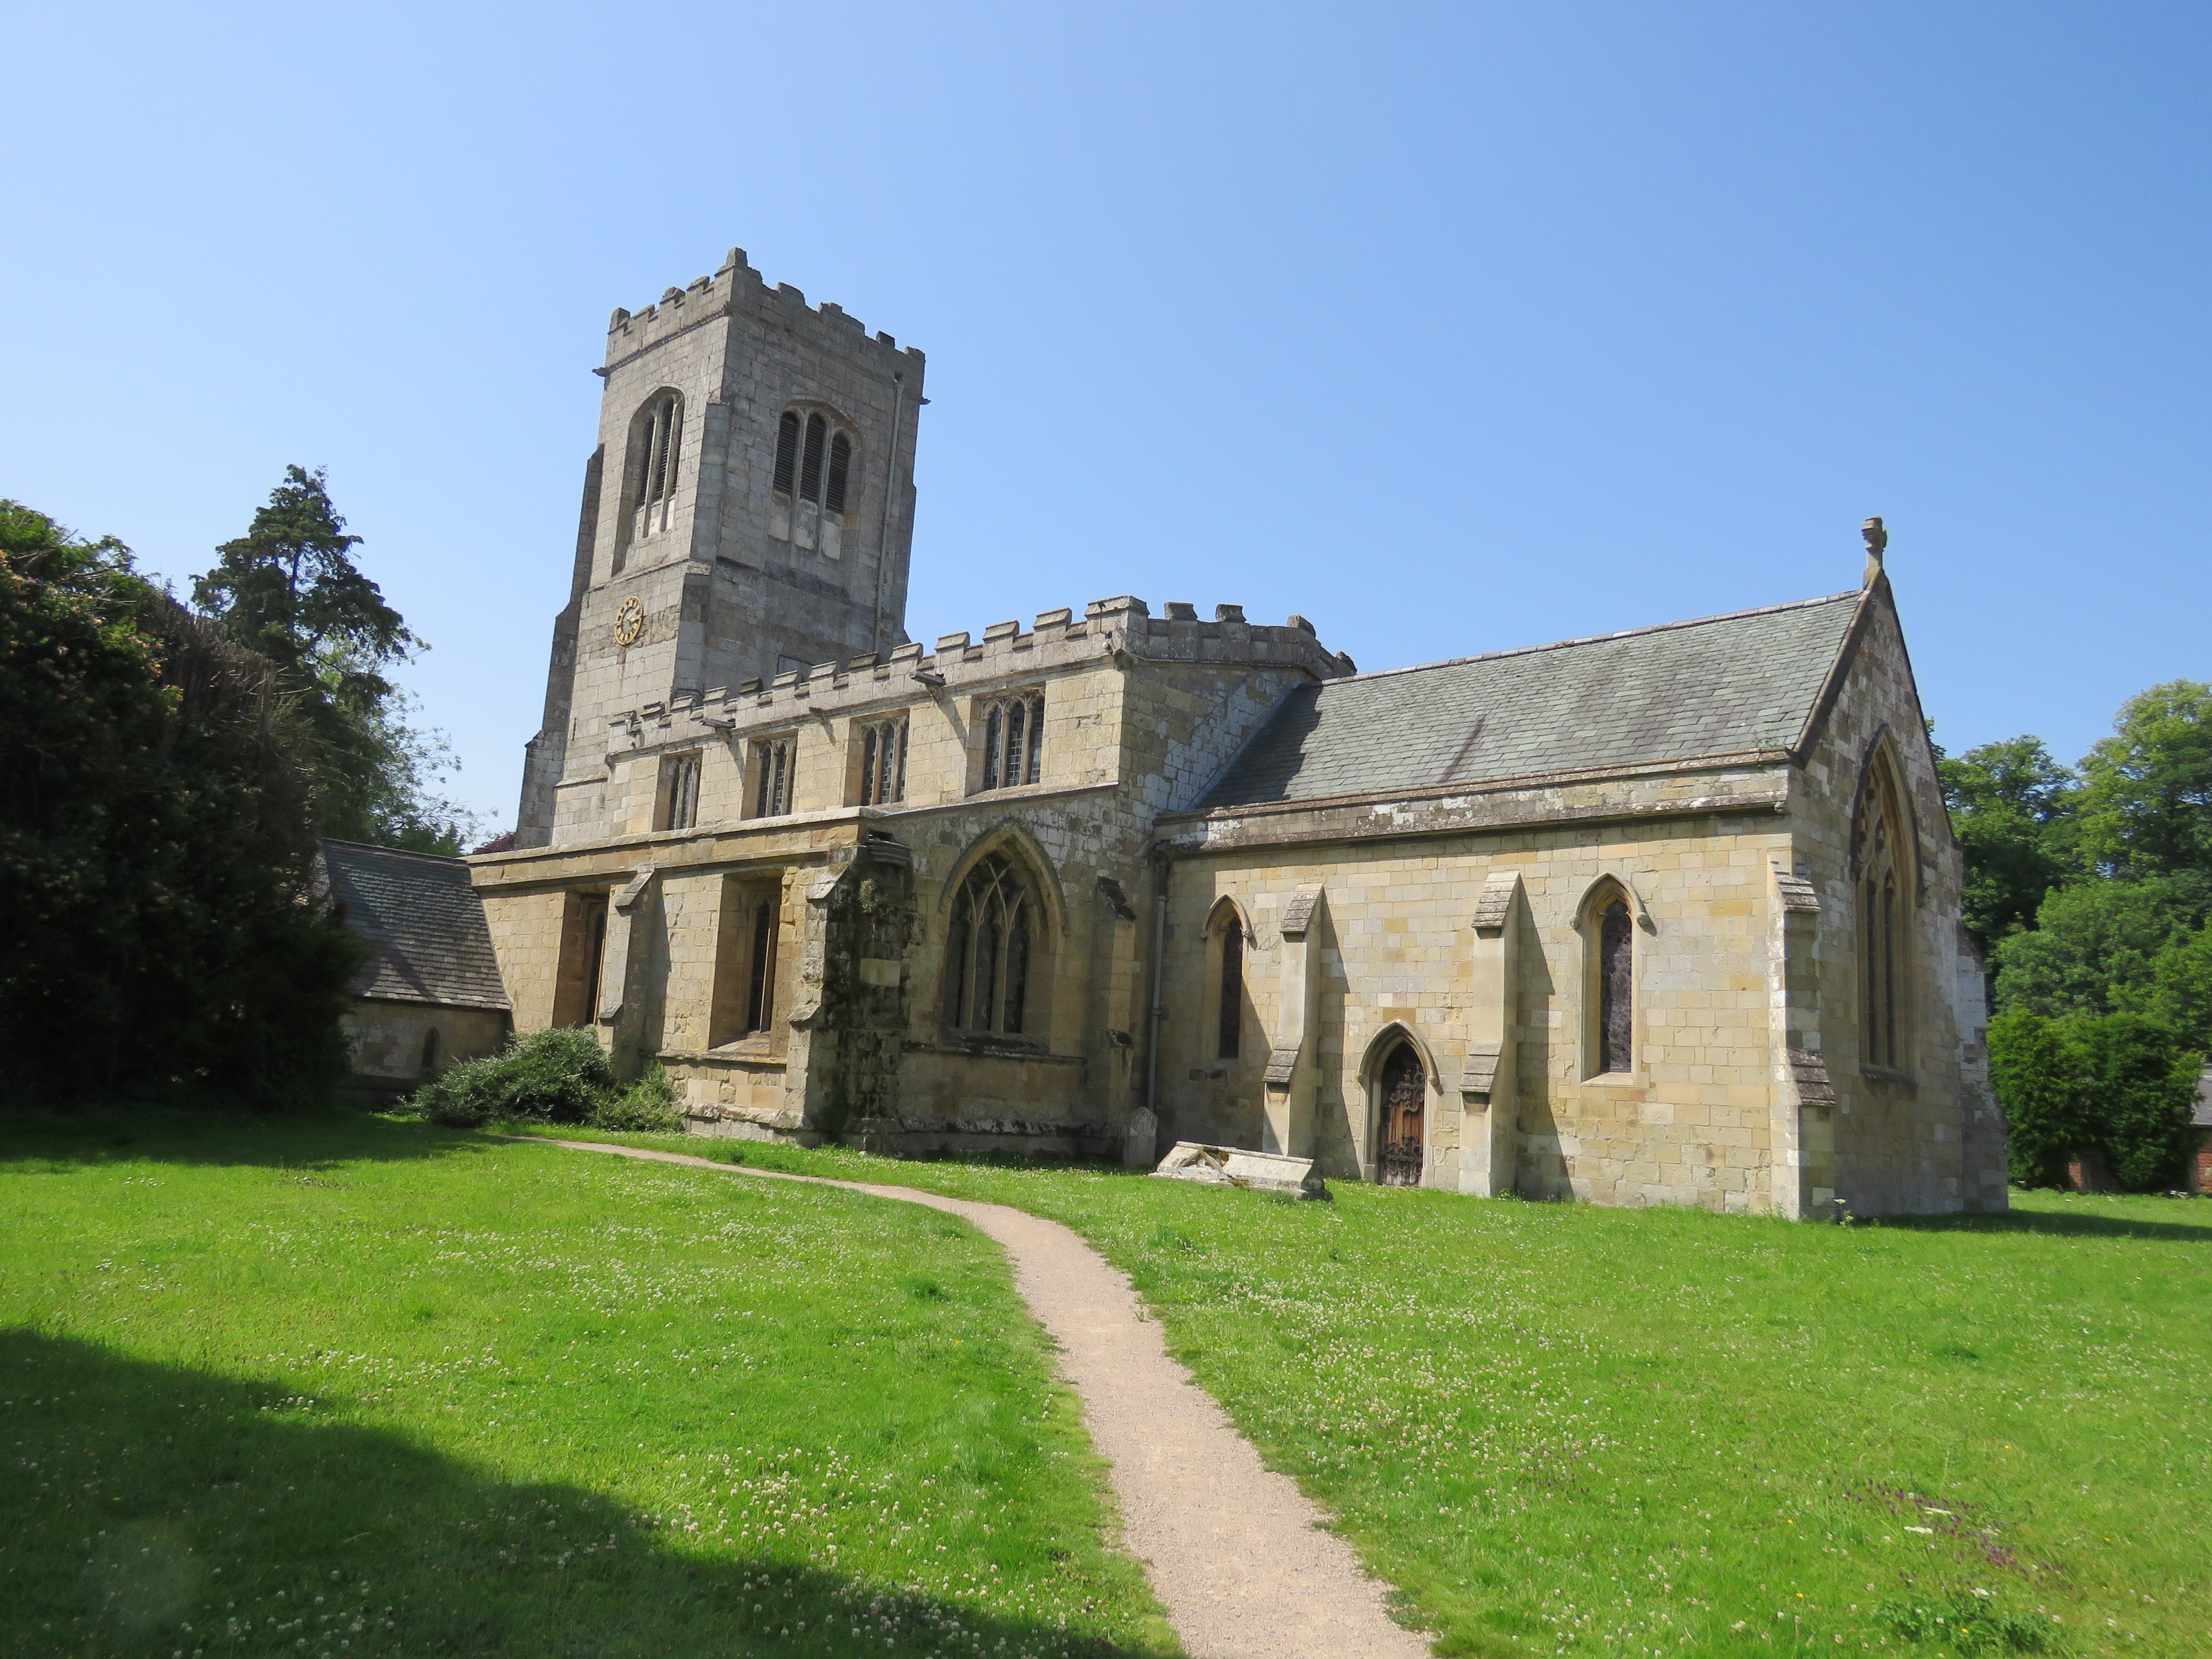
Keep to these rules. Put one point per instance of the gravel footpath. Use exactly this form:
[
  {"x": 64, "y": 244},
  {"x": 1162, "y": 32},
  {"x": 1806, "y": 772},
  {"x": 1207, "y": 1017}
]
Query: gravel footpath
[{"x": 1235, "y": 1553}]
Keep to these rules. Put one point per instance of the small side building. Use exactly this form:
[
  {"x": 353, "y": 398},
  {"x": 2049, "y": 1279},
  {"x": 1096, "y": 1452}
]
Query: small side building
[{"x": 430, "y": 994}]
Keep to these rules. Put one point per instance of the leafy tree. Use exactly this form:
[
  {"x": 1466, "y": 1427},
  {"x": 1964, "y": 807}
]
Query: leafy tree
[
  {"x": 2146, "y": 807},
  {"x": 2181, "y": 988},
  {"x": 2012, "y": 808},
  {"x": 154, "y": 844},
  {"x": 2142, "y": 1084},
  {"x": 2096, "y": 945},
  {"x": 288, "y": 589},
  {"x": 2041, "y": 1080},
  {"x": 2120, "y": 1083}
]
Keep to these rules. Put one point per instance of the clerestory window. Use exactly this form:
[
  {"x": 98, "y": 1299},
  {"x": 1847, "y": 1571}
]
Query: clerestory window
[
  {"x": 1013, "y": 739},
  {"x": 774, "y": 776},
  {"x": 677, "y": 807},
  {"x": 883, "y": 762},
  {"x": 988, "y": 949}
]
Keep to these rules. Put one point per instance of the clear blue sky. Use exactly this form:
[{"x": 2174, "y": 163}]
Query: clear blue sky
[{"x": 1451, "y": 327}]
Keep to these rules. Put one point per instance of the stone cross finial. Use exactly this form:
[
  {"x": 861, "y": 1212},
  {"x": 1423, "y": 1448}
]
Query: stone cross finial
[{"x": 1877, "y": 538}]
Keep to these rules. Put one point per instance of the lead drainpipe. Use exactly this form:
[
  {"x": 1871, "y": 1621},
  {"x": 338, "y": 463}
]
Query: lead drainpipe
[
  {"x": 1159, "y": 985},
  {"x": 883, "y": 531}
]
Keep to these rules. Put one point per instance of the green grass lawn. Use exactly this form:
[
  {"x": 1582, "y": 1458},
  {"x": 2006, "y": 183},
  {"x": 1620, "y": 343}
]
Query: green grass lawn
[
  {"x": 341, "y": 1386},
  {"x": 1567, "y": 1430}
]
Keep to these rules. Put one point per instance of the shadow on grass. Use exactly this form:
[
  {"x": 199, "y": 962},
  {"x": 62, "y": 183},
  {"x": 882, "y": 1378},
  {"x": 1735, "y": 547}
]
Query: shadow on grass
[
  {"x": 2060, "y": 1225},
  {"x": 32, "y": 1141},
  {"x": 157, "y": 1509}
]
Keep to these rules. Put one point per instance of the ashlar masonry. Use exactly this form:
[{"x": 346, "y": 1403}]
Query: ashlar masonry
[{"x": 1666, "y": 916}]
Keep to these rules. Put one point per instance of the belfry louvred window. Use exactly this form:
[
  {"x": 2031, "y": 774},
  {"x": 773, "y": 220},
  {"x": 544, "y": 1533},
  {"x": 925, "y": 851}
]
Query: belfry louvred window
[
  {"x": 787, "y": 450},
  {"x": 988, "y": 949},
  {"x": 656, "y": 447},
  {"x": 814, "y": 481},
  {"x": 841, "y": 467},
  {"x": 1013, "y": 739},
  {"x": 813, "y": 460}
]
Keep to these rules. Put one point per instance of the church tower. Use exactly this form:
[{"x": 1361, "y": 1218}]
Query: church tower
[{"x": 748, "y": 511}]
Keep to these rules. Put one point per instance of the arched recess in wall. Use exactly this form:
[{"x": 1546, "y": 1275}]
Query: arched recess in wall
[
  {"x": 1609, "y": 921},
  {"x": 652, "y": 458},
  {"x": 1227, "y": 1013},
  {"x": 1886, "y": 888},
  {"x": 1004, "y": 923}
]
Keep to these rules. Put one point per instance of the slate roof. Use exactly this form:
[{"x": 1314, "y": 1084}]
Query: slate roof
[
  {"x": 423, "y": 921},
  {"x": 2202, "y": 1117},
  {"x": 1720, "y": 685}
]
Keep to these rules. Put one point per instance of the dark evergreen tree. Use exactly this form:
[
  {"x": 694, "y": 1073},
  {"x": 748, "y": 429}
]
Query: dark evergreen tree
[
  {"x": 156, "y": 845},
  {"x": 288, "y": 589}
]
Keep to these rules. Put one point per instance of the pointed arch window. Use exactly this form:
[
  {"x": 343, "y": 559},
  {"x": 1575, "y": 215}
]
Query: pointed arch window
[
  {"x": 989, "y": 949},
  {"x": 1885, "y": 911},
  {"x": 1609, "y": 940},
  {"x": 1229, "y": 1027},
  {"x": 656, "y": 449}
]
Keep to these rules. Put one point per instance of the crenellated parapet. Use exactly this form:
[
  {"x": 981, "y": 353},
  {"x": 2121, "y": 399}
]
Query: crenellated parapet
[
  {"x": 1122, "y": 629},
  {"x": 738, "y": 287}
]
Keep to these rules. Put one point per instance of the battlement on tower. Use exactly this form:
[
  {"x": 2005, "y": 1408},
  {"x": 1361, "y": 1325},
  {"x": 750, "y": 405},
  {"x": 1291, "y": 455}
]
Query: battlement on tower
[{"x": 738, "y": 287}]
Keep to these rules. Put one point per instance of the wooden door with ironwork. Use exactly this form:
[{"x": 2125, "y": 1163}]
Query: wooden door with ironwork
[{"x": 1403, "y": 1127}]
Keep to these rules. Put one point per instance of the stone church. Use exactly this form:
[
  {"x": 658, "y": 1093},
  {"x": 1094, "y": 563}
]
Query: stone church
[{"x": 1663, "y": 916}]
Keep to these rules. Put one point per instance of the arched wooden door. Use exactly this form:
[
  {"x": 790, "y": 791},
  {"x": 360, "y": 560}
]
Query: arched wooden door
[{"x": 1403, "y": 1129}]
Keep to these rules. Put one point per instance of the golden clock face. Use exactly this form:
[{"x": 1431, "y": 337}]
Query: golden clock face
[{"x": 629, "y": 621}]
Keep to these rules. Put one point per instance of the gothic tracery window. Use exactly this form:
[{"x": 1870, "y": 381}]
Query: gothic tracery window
[
  {"x": 988, "y": 949},
  {"x": 1885, "y": 910}
]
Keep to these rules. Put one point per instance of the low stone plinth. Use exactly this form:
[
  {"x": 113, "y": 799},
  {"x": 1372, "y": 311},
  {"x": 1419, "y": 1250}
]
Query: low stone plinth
[{"x": 1228, "y": 1166}]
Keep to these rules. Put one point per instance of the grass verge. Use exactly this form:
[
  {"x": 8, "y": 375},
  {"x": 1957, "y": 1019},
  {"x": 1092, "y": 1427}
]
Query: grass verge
[
  {"x": 1561, "y": 1429},
  {"x": 341, "y": 1386}
]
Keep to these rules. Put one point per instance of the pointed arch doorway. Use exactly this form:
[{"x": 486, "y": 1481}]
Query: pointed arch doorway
[{"x": 1402, "y": 1127}]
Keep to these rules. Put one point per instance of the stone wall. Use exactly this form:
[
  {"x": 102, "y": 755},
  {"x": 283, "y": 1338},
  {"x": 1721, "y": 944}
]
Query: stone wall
[
  {"x": 1140, "y": 713},
  {"x": 1927, "y": 1136},
  {"x": 724, "y": 589},
  {"x": 1747, "y": 1092},
  {"x": 1396, "y": 945},
  {"x": 387, "y": 1040}
]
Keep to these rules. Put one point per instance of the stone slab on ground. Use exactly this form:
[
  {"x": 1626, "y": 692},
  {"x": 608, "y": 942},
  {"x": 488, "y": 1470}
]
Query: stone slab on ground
[{"x": 1230, "y": 1166}]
